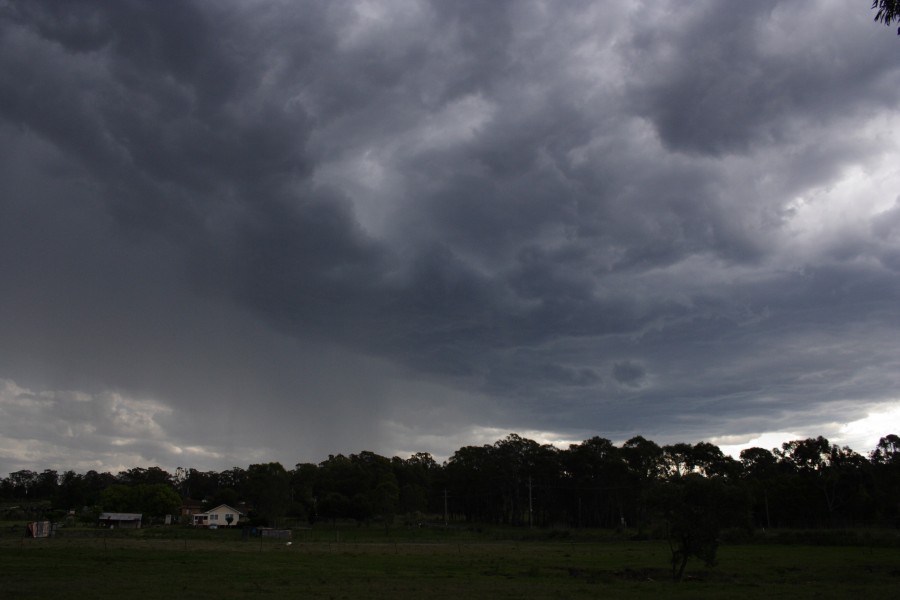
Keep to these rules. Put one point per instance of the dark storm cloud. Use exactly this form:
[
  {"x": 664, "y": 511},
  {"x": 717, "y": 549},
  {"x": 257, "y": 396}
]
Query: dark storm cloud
[
  {"x": 718, "y": 84},
  {"x": 628, "y": 373},
  {"x": 258, "y": 228}
]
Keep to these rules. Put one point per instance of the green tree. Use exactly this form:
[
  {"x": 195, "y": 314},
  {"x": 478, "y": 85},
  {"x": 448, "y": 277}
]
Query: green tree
[
  {"x": 471, "y": 481},
  {"x": 268, "y": 487},
  {"x": 886, "y": 471},
  {"x": 303, "y": 481},
  {"x": 148, "y": 499},
  {"x": 235, "y": 478},
  {"x": 71, "y": 493},
  {"x": 199, "y": 485},
  {"x": 598, "y": 480},
  {"x": 221, "y": 496},
  {"x": 139, "y": 475},
  {"x": 337, "y": 474},
  {"x": 709, "y": 460},
  {"x": 157, "y": 499},
  {"x": 46, "y": 484},
  {"x": 887, "y": 451},
  {"x": 379, "y": 494},
  {"x": 678, "y": 459},
  {"x": 513, "y": 461},
  {"x": 645, "y": 461},
  {"x": 417, "y": 477},
  {"x": 695, "y": 509},
  {"x": 413, "y": 498},
  {"x": 119, "y": 498},
  {"x": 334, "y": 506},
  {"x": 22, "y": 483},
  {"x": 760, "y": 471}
]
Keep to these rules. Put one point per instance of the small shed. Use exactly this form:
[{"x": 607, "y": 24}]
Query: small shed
[
  {"x": 120, "y": 520},
  {"x": 39, "y": 529}
]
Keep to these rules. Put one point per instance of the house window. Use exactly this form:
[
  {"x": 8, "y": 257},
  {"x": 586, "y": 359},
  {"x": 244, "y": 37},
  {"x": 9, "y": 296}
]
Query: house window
[
  {"x": 213, "y": 517},
  {"x": 229, "y": 516}
]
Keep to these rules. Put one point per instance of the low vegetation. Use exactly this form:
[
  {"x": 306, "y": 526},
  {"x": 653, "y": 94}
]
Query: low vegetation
[{"x": 353, "y": 562}]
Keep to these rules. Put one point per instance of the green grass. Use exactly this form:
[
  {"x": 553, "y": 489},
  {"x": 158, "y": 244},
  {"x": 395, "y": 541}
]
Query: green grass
[{"x": 433, "y": 564}]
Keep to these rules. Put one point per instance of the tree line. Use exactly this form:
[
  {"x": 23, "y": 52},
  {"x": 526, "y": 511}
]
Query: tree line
[{"x": 807, "y": 483}]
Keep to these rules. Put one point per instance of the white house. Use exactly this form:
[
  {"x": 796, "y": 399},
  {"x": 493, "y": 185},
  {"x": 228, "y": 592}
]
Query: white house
[{"x": 221, "y": 516}]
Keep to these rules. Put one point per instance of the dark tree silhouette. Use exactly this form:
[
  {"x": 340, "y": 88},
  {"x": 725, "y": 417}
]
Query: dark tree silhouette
[
  {"x": 695, "y": 509},
  {"x": 888, "y": 11},
  {"x": 268, "y": 487},
  {"x": 515, "y": 481}
]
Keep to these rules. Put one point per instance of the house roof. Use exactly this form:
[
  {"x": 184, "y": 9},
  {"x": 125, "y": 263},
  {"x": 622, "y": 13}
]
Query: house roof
[{"x": 231, "y": 508}]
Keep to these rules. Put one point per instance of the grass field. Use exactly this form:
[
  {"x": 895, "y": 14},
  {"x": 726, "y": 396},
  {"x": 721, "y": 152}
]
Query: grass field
[{"x": 361, "y": 563}]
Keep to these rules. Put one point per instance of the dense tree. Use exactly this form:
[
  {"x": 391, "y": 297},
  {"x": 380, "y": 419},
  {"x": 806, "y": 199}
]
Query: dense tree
[
  {"x": 644, "y": 458},
  {"x": 758, "y": 463},
  {"x": 302, "y": 490},
  {"x": 827, "y": 482},
  {"x": 336, "y": 483},
  {"x": 515, "y": 462},
  {"x": 21, "y": 483},
  {"x": 95, "y": 483},
  {"x": 378, "y": 493},
  {"x": 709, "y": 460},
  {"x": 760, "y": 471},
  {"x": 45, "y": 484},
  {"x": 807, "y": 456},
  {"x": 139, "y": 475},
  {"x": 470, "y": 476},
  {"x": 546, "y": 503},
  {"x": 149, "y": 499},
  {"x": 158, "y": 499},
  {"x": 887, "y": 451},
  {"x": 221, "y": 496},
  {"x": 333, "y": 506},
  {"x": 235, "y": 478},
  {"x": 646, "y": 464},
  {"x": 119, "y": 498},
  {"x": 268, "y": 489},
  {"x": 413, "y": 499},
  {"x": 886, "y": 480},
  {"x": 71, "y": 493},
  {"x": 597, "y": 481},
  {"x": 417, "y": 477},
  {"x": 199, "y": 485},
  {"x": 678, "y": 459},
  {"x": 516, "y": 481}
]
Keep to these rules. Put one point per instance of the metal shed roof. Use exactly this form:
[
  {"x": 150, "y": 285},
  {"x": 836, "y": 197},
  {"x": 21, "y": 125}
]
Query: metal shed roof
[{"x": 120, "y": 516}]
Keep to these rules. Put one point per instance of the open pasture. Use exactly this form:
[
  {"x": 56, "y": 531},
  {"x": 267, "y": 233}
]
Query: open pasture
[{"x": 347, "y": 564}]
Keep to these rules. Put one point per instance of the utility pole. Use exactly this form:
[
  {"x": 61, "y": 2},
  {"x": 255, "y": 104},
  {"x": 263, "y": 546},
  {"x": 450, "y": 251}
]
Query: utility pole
[{"x": 530, "y": 505}]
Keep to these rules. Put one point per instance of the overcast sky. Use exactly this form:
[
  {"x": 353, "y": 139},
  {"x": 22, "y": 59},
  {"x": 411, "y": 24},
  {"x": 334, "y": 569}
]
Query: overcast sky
[{"x": 234, "y": 232}]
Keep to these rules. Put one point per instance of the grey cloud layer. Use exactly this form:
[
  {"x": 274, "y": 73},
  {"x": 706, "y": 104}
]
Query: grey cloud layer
[{"x": 584, "y": 218}]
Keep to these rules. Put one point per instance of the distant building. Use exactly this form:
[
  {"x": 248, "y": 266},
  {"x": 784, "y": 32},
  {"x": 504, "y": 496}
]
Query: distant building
[
  {"x": 220, "y": 516},
  {"x": 191, "y": 508},
  {"x": 120, "y": 520},
  {"x": 284, "y": 534}
]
